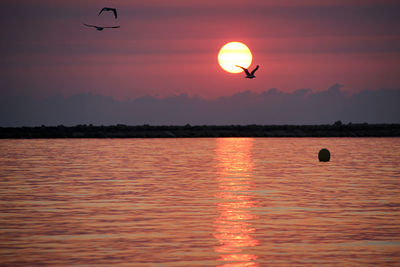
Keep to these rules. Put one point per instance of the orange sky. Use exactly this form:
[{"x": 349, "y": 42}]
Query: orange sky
[{"x": 170, "y": 47}]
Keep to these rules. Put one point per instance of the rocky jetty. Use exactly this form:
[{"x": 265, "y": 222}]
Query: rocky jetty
[{"x": 147, "y": 131}]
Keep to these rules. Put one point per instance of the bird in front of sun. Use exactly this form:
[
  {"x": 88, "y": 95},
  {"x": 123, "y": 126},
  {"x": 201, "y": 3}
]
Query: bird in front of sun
[
  {"x": 100, "y": 28},
  {"x": 114, "y": 10},
  {"x": 235, "y": 57},
  {"x": 249, "y": 75}
]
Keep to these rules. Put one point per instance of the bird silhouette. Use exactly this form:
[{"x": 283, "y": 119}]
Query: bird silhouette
[
  {"x": 114, "y": 10},
  {"x": 100, "y": 28},
  {"x": 249, "y": 75}
]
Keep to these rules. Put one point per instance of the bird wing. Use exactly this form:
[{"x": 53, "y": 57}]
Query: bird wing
[
  {"x": 103, "y": 9},
  {"x": 252, "y": 73},
  {"x": 112, "y": 27},
  {"x": 114, "y": 10},
  {"x": 245, "y": 70},
  {"x": 88, "y": 25}
]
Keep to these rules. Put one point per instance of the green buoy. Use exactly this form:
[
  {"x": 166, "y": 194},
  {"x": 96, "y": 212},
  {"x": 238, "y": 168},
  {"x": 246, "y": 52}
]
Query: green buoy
[{"x": 324, "y": 155}]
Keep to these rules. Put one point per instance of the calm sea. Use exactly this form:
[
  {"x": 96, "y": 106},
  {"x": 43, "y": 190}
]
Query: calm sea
[{"x": 200, "y": 202}]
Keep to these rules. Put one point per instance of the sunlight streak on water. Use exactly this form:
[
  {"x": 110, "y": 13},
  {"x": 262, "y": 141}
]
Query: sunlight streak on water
[{"x": 234, "y": 200}]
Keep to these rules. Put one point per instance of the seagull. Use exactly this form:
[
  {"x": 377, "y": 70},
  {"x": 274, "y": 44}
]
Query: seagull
[
  {"x": 100, "y": 28},
  {"x": 248, "y": 74},
  {"x": 114, "y": 10}
]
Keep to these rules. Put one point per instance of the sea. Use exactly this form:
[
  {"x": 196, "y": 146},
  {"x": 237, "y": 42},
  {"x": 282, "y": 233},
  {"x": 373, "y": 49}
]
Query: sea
[{"x": 200, "y": 202}]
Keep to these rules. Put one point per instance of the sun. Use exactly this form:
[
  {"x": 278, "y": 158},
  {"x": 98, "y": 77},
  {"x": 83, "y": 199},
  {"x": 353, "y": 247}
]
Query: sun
[{"x": 234, "y": 53}]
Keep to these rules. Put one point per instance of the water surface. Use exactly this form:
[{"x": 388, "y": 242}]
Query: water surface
[{"x": 200, "y": 202}]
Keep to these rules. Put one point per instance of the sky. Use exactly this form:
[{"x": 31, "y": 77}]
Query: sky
[{"x": 168, "y": 48}]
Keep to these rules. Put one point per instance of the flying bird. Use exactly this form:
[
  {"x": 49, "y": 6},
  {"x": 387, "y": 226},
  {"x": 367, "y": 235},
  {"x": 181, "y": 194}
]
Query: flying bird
[
  {"x": 114, "y": 10},
  {"x": 249, "y": 75},
  {"x": 100, "y": 28}
]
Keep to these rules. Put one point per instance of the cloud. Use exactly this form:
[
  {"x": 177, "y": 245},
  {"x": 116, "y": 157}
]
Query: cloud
[{"x": 268, "y": 107}]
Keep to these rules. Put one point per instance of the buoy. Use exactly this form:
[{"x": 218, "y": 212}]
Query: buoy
[{"x": 324, "y": 155}]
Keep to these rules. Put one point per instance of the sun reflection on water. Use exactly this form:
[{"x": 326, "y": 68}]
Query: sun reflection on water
[{"x": 233, "y": 228}]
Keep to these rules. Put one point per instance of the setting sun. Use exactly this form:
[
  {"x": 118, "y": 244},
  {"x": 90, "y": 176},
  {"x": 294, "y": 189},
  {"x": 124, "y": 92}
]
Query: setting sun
[{"x": 232, "y": 54}]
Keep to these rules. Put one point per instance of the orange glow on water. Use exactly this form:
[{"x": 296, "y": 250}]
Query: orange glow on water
[
  {"x": 233, "y": 228},
  {"x": 199, "y": 202}
]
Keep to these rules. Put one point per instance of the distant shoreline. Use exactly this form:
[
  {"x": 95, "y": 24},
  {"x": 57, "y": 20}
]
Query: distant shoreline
[{"x": 147, "y": 131}]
